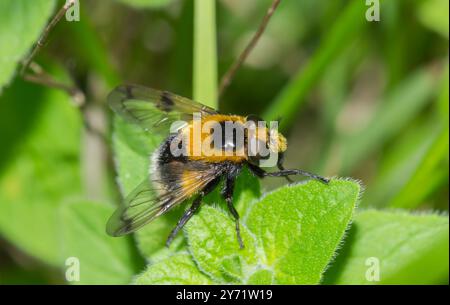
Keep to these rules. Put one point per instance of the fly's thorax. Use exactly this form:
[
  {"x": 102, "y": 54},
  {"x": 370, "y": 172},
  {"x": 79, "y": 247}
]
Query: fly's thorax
[
  {"x": 212, "y": 138},
  {"x": 218, "y": 138}
]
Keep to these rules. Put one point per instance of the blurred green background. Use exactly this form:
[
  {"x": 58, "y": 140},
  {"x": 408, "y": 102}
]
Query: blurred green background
[{"x": 368, "y": 100}]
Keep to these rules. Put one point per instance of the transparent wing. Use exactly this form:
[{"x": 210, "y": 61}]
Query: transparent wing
[
  {"x": 152, "y": 109},
  {"x": 152, "y": 198}
]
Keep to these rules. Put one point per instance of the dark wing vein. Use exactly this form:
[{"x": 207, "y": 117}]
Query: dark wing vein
[
  {"x": 153, "y": 109},
  {"x": 150, "y": 200}
]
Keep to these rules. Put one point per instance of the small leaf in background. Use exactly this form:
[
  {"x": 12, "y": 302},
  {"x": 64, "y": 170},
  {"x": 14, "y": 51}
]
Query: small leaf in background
[
  {"x": 102, "y": 259},
  {"x": 40, "y": 132},
  {"x": 410, "y": 249},
  {"x": 261, "y": 277},
  {"x": 146, "y": 3},
  {"x": 300, "y": 227},
  {"x": 212, "y": 240},
  {"x": 21, "y": 23},
  {"x": 178, "y": 269}
]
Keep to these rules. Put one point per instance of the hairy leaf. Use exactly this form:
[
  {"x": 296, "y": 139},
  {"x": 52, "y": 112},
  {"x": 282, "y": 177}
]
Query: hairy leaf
[
  {"x": 299, "y": 228},
  {"x": 393, "y": 248},
  {"x": 178, "y": 269},
  {"x": 213, "y": 243}
]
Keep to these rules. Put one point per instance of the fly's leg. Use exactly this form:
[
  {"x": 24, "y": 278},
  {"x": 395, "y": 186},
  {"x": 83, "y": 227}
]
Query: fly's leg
[
  {"x": 38, "y": 76},
  {"x": 184, "y": 219},
  {"x": 41, "y": 42},
  {"x": 191, "y": 211},
  {"x": 228, "y": 195},
  {"x": 259, "y": 172},
  {"x": 291, "y": 172},
  {"x": 281, "y": 168}
]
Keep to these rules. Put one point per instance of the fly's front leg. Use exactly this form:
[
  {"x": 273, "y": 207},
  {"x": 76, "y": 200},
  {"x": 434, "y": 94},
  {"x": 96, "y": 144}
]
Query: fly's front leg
[
  {"x": 228, "y": 195},
  {"x": 291, "y": 172},
  {"x": 281, "y": 167},
  {"x": 259, "y": 172}
]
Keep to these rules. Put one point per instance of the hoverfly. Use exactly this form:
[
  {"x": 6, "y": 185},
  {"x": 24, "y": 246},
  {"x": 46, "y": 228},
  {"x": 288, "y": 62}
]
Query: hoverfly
[{"x": 175, "y": 178}]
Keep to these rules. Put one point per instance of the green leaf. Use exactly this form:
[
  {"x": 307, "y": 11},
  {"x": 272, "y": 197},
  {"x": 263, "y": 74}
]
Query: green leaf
[
  {"x": 410, "y": 249},
  {"x": 21, "y": 23},
  {"x": 299, "y": 227},
  {"x": 205, "y": 53},
  {"x": 294, "y": 233},
  {"x": 178, "y": 269},
  {"x": 213, "y": 243},
  {"x": 102, "y": 259},
  {"x": 146, "y": 3},
  {"x": 39, "y": 169},
  {"x": 261, "y": 277}
]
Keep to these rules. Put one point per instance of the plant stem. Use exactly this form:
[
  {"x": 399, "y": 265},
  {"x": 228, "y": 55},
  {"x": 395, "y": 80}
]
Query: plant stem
[
  {"x": 205, "y": 53},
  {"x": 229, "y": 75},
  {"x": 40, "y": 43}
]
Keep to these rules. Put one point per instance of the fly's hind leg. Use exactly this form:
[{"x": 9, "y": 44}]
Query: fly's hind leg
[
  {"x": 191, "y": 211},
  {"x": 228, "y": 195},
  {"x": 259, "y": 172},
  {"x": 291, "y": 172},
  {"x": 281, "y": 167}
]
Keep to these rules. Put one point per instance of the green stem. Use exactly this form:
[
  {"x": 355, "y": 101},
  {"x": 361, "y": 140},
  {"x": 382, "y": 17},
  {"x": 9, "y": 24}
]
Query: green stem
[{"x": 205, "y": 53}]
